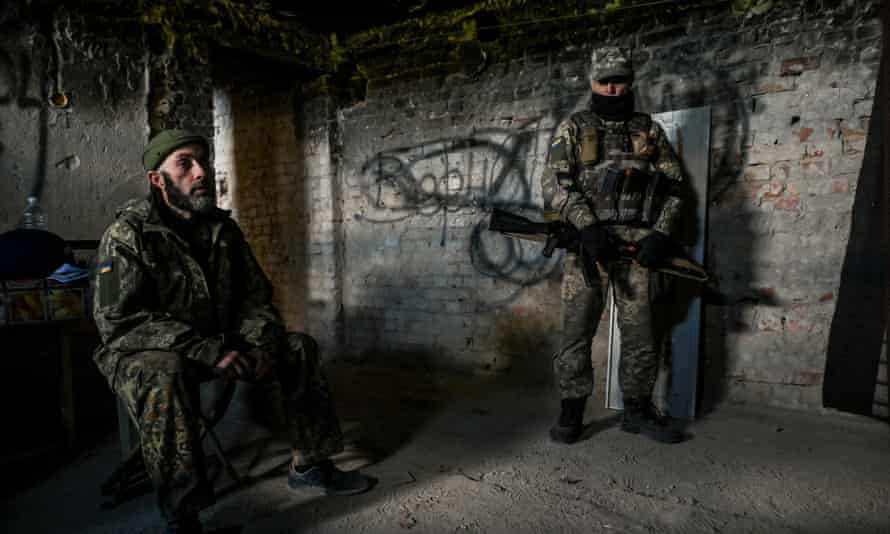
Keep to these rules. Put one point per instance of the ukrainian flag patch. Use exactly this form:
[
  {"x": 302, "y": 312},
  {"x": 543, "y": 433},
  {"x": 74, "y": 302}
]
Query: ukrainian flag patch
[{"x": 105, "y": 267}]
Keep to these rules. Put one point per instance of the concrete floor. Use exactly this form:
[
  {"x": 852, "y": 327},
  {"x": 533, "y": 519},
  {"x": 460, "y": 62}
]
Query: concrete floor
[{"x": 471, "y": 454}]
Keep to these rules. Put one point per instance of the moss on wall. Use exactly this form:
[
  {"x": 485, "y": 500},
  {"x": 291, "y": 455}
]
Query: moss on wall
[
  {"x": 461, "y": 40},
  {"x": 753, "y": 7},
  {"x": 490, "y": 31},
  {"x": 192, "y": 26}
]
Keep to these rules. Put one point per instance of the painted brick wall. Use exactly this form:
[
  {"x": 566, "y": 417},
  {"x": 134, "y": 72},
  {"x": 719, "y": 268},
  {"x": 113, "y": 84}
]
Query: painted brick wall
[
  {"x": 422, "y": 163},
  {"x": 259, "y": 177},
  {"x": 318, "y": 144},
  {"x": 274, "y": 170},
  {"x": 370, "y": 219},
  {"x": 423, "y": 281}
]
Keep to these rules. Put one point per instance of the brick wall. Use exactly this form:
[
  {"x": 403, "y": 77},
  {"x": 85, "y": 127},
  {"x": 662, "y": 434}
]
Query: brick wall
[
  {"x": 370, "y": 218},
  {"x": 421, "y": 163},
  {"x": 319, "y": 149},
  {"x": 424, "y": 281},
  {"x": 274, "y": 170},
  {"x": 259, "y": 177}
]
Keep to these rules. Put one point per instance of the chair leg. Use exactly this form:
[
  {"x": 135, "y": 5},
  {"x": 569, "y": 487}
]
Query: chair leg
[
  {"x": 124, "y": 470},
  {"x": 128, "y": 481},
  {"x": 126, "y": 432},
  {"x": 214, "y": 415},
  {"x": 227, "y": 464}
]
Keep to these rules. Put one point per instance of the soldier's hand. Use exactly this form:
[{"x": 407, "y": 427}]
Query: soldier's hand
[
  {"x": 653, "y": 249},
  {"x": 236, "y": 365},
  {"x": 595, "y": 243},
  {"x": 566, "y": 235},
  {"x": 265, "y": 364}
]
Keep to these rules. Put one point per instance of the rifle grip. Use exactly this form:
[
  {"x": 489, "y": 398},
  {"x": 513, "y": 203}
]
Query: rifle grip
[{"x": 550, "y": 245}]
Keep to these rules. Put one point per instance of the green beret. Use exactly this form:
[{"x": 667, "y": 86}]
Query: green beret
[{"x": 167, "y": 141}]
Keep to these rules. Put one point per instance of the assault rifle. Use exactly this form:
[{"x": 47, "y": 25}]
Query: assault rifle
[{"x": 559, "y": 234}]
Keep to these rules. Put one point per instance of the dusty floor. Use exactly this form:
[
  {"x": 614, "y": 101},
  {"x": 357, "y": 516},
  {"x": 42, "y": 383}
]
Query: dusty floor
[{"x": 458, "y": 454}]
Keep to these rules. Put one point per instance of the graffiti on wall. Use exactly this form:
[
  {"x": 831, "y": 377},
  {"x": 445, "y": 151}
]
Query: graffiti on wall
[
  {"x": 468, "y": 176},
  {"x": 460, "y": 180},
  {"x": 483, "y": 170}
]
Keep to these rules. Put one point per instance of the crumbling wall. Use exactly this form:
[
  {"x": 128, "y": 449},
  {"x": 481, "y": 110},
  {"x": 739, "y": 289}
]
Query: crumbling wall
[
  {"x": 425, "y": 159},
  {"x": 82, "y": 159}
]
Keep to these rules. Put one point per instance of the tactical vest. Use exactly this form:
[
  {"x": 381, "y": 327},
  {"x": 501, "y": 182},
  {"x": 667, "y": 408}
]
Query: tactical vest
[{"x": 616, "y": 169}]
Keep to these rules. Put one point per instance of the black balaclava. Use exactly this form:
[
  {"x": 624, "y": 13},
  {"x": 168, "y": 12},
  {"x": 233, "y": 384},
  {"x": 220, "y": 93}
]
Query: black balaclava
[{"x": 613, "y": 108}]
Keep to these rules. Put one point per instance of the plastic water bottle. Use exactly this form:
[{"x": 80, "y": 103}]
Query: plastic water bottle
[{"x": 34, "y": 216}]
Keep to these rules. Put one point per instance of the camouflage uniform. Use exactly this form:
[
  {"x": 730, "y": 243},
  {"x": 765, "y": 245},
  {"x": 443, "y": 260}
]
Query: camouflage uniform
[
  {"x": 168, "y": 306},
  {"x": 574, "y": 173}
]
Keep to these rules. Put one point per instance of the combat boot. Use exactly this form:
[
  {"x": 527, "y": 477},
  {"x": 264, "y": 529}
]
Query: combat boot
[
  {"x": 640, "y": 416},
  {"x": 571, "y": 421}
]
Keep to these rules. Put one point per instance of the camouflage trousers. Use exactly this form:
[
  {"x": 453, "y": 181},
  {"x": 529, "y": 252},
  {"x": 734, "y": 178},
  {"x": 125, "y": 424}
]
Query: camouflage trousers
[
  {"x": 582, "y": 307},
  {"x": 161, "y": 391}
]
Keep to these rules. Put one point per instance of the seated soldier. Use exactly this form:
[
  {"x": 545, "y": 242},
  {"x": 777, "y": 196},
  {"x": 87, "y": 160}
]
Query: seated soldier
[{"x": 178, "y": 293}]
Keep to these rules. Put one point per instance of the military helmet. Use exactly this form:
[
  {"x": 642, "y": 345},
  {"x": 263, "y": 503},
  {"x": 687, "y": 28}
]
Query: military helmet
[{"x": 610, "y": 61}]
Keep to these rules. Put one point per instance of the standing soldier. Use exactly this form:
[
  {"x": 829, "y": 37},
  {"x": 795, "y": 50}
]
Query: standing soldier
[
  {"x": 179, "y": 295},
  {"x": 611, "y": 173}
]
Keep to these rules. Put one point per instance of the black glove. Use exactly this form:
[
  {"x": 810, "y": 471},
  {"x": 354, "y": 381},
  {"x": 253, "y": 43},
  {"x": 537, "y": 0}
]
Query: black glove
[
  {"x": 653, "y": 249},
  {"x": 264, "y": 366},
  {"x": 595, "y": 243}
]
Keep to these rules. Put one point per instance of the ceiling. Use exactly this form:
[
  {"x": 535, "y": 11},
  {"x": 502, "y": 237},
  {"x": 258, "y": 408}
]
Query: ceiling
[{"x": 373, "y": 39}]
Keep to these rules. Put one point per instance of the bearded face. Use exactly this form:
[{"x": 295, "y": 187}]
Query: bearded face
[
  {"x": 200, "y": 197},
  {"x": 186, "y": 180}
]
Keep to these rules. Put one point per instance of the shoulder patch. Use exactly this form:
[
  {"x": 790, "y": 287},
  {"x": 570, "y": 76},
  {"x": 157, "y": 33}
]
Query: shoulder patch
[
  {"x": 558, "y": 152},
  {"x": 107, "y": 284}
]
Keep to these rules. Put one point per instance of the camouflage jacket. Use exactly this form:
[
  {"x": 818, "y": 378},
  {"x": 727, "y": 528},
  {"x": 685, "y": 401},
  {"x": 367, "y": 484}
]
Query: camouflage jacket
[
  {"x": 563, "y": 196},
  {"x": 151, "y": 292}
]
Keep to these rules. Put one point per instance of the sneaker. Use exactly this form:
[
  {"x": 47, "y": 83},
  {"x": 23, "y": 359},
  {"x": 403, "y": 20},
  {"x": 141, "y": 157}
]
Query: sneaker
[{"x": 325, "y": 476}]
